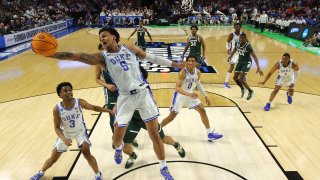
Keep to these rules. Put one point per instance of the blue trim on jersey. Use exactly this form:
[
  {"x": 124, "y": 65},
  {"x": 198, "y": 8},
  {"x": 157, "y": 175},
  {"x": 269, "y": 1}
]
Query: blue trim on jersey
[
  {"x": 152, "y": 118},
  {"x": 74, "y": 104},
  {"x": 122, "y": 125},
  {"x": 150, "y": 92},
  {"x": 80, "y": 108}
]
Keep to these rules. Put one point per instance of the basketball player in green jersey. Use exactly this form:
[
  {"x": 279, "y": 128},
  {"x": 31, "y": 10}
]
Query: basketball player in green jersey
[
  {"x": 244, "y": 64},
  {"x": 141, "y": 31},
  {"x": 195, "y": 42}
]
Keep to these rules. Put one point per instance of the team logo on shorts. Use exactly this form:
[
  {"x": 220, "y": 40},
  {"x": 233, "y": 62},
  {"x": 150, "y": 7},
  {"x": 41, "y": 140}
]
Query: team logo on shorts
[{"x": 170, "y": 51}]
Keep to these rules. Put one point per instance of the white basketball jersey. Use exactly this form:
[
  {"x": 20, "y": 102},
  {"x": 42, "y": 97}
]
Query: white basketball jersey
[
  {"x": 123, "y": 68},
  {"x": 235, "y": 39},
  {"x": 286, "y": 71},
  {"x": 71, "y": 119},
  {"x": 189, "y": 83}
]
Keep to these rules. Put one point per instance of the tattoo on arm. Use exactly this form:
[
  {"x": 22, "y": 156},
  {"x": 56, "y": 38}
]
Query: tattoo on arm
[{"x": 91, "y": 59}]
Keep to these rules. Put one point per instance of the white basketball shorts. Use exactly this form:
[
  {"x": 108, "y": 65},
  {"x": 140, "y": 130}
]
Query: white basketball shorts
[
  {"x": 142, "y": 101},
  {"x": 80, "y": 137},
  {"x": 180, "y": 100}
]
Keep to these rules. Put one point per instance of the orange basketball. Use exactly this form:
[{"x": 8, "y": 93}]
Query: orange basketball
[{"x": 44, "y": 44}]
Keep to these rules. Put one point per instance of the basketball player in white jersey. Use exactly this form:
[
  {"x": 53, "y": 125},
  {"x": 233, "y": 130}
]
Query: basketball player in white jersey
[
  {"x": 288, "y": 74},
  {"x": 69, "y": 125},
  {"x": 188, "y": 80},
  {"x": 231, "y": 44},
  {"x": 122, "y": 63}
]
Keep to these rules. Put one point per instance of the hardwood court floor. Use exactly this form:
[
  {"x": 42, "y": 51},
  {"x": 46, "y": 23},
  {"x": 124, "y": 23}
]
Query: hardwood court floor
[{"x": 27, "y": 125}]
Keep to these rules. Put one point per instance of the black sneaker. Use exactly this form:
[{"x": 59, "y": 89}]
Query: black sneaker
[
  {"x": 131, "y": 160},
  {"x": 250, "y": 95},
  {"x": 180, "y": 150},
  {"x": 135, "y": 143}
]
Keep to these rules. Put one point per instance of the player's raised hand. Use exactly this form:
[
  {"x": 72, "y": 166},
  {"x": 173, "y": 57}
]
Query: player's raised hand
[
  {"x": 68, "y": 142},
  {"x": 208, "y": 101}
]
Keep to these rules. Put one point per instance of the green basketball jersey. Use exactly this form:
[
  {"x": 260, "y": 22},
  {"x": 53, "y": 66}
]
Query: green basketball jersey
[
  {"x": 140, "y": 37},
  {"x": 244, "y": 52},
  {"x": 195, "y": 45},
  {"x": 112, "y": 95}
]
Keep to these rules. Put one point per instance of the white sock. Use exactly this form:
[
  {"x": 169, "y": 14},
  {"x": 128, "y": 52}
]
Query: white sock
[
  {"x": 120, "y": 147},
  {"x": 41, "y": 172},
  {"x": 209, "y": 131},
  {"x": 98, "y": 174},
  {"x": 163, "y": 164},
  {"x": 269, "y": 102},
  {"x": 227, "y": 78}
]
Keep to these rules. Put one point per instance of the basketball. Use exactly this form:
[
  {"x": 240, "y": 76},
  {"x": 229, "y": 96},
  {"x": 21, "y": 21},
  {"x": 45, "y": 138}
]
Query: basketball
[{"x": 44, "y": 44}]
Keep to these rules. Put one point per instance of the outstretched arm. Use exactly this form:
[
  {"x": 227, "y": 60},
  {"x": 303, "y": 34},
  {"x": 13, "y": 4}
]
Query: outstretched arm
[
  {"x": 134, "y": 31},
  {"x": 91, "y": 107},
  {"x": 154, "y": 59},
  {"x": 272, "y": 70},
  {"x": 91, "y": 59},
  {"x": 199, "y": 86},
  {"x": 145, "y": 29}
]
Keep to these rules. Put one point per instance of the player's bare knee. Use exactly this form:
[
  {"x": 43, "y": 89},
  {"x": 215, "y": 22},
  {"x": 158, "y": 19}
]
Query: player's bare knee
[{"x": 241, "y": 80}]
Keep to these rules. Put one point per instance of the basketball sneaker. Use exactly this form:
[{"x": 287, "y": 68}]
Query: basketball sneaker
[
  {"x": 289, "y": 98},
  {"x": 267, "y": 107},
  {"x": 226, "y": 85},
  {"x": 99, "y": 177},
  {"x": 118, "y": 156},
  {"x": 131, "y": 160},
  {"x": 214, "y": 135},
  {"x": 180, "y": 150},
  {"x": 135, "y": 143},
  {"x": 250, "y": 95},
  {"x": 37, "y": 176},
  {"x": 243, "y": 92},
  {"x": 165, "y": 173}
]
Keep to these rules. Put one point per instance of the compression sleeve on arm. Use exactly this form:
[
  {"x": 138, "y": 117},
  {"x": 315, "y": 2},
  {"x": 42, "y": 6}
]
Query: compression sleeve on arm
[
  {"x": 199, "y": 86},
  {"x": 158, "y": 60}
]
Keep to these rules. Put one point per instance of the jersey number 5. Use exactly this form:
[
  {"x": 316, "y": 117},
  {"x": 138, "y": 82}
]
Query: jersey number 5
[{"x": 124, "y": 65}]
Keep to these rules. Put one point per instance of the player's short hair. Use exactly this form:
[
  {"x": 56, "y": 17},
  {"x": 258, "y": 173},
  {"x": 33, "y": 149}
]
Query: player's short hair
[
  {"x": 141, "y": 20},
  {"x": 237, "y": 24},
  {"x": 59, "y": 87},
  {"x": 194, "y": 26},
  {"x": 144, "y": 72},
  {"x": 192, "y": 56},
  {"x": 286, "y": 55},
  {"x": 243, "y": 34},
  {"x": 100, "y": 47},
  {"x": 111, "y": 31}
]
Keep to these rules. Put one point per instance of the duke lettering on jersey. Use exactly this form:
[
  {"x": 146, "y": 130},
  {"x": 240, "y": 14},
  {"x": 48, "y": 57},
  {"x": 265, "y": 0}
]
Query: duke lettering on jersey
[
  {"x": 189, "y": 83},
  {"x": 120, "y": 57},
  {"x": 71, "y": 119},
  {"x": 125, "y": 74},
  {"x": 286, "y": 71}
]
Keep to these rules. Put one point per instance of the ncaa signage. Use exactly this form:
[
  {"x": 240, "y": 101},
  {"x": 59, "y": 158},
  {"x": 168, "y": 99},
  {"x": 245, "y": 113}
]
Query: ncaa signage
[
  {"x": 27, "y": 35},
  {"x": 293, "y": 30}
]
